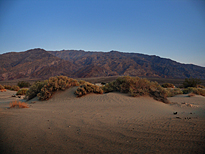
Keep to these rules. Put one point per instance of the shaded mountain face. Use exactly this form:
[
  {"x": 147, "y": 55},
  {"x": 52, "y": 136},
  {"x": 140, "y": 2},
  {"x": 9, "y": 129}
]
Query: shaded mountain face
[{"x": 38, "y": 63}]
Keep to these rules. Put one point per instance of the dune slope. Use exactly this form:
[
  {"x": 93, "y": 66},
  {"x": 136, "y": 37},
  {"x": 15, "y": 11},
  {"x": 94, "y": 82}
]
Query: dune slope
[{"x": 108, "y": 123}]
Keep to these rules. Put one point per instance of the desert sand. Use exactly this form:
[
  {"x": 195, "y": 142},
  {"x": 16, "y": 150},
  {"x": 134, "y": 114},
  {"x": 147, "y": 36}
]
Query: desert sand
[{"x": 107, "y": 123}]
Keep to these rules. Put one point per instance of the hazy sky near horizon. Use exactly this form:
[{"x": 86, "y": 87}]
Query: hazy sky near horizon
[{"x": 172, "y": 29}]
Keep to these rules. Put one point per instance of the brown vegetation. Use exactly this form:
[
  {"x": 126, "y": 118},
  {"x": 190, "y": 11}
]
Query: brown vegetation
[
  {"x": 3, "y": 90},
  {"x": 16, "y": 104}
]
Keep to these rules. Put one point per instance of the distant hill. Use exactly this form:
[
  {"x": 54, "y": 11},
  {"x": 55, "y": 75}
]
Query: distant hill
[{"x": 38, "y": 63}]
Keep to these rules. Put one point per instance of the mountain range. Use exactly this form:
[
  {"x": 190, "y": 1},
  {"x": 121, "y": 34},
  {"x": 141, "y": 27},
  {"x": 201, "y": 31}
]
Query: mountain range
[{"x": 39, "y": 63}]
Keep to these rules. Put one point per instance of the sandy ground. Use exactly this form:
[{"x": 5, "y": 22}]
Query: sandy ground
[{"x": 108, "y": 123}]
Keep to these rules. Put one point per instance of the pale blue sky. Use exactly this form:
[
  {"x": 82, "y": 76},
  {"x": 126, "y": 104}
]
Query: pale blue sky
[{"x": 172, "y": 29}]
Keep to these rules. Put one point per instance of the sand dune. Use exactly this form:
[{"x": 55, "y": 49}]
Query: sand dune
[{"x": 108, "y": 123}]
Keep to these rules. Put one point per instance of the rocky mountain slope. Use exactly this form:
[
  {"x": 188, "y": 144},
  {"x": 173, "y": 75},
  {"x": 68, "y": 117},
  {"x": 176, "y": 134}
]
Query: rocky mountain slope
[{"x": 38, "y": 63}]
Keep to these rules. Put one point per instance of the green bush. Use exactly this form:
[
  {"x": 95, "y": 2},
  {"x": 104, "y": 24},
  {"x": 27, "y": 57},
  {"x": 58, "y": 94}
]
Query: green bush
[
  {"x": 1, "y": 87},
  {"x": 23, "y": 84},
  {"x": 35, "y": 89},
  {"x": 173, "y": 92},
  {"x": 22, "y": 91},
  {"x": 55, "y": 84},
  {"x": 87, "y": 88},
  {"x": 168, "y": 85},
  {"x": 137, "y": 87},
  {"x": 191, "y": 82}
]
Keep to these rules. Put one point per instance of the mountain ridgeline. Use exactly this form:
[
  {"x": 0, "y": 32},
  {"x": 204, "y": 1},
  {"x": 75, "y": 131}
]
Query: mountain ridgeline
[{"x": 38, "y": 63}]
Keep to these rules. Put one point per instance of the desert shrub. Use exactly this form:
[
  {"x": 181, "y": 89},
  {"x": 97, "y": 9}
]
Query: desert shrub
[
  {"x": 109, "y": 87},
  {"x": 197, "y": 91},
  {"x": 81, "y": 82},
  {"x": 137, "y": 87},
  {"x": 55, "y": 84},
  {"x": 199, "y": 86},
  {"x": 191, "y": 82},
  {"x": 7, "y": 87},
  {"x": 18, "y": 105},
  {"x": 23, "y": 84},
  {"x": 173, "y": 92},
  {"x": 167, "y": 85},
  {"x": 87, "y": 88},
  {"x": 35, "y": 89},
  {"x": 22, "y": 91},
  {"x": 188, "y": 90},
  {"x": 14, "y": 88},
  {"x": 1, "y": 87}
]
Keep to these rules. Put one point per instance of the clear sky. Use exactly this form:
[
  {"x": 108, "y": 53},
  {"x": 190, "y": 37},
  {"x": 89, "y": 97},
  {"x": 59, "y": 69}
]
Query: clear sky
[{"x": 172, "y": 29}]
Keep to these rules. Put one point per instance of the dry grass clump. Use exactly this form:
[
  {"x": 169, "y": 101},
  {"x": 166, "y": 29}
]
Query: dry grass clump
[
  {"x": 22, "y": 91},
  {"x": 173, "y": 92},
  {"x": 55, "y": 84},
  {"x": 18, "y": 105},
  {"x": 137, "y": 87},
  {"x": 88, "y": 88},
  {"x": 3, "y": 90},
  {"x": 168, "y": 85},
  {"x": 14, "y": 88}
]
